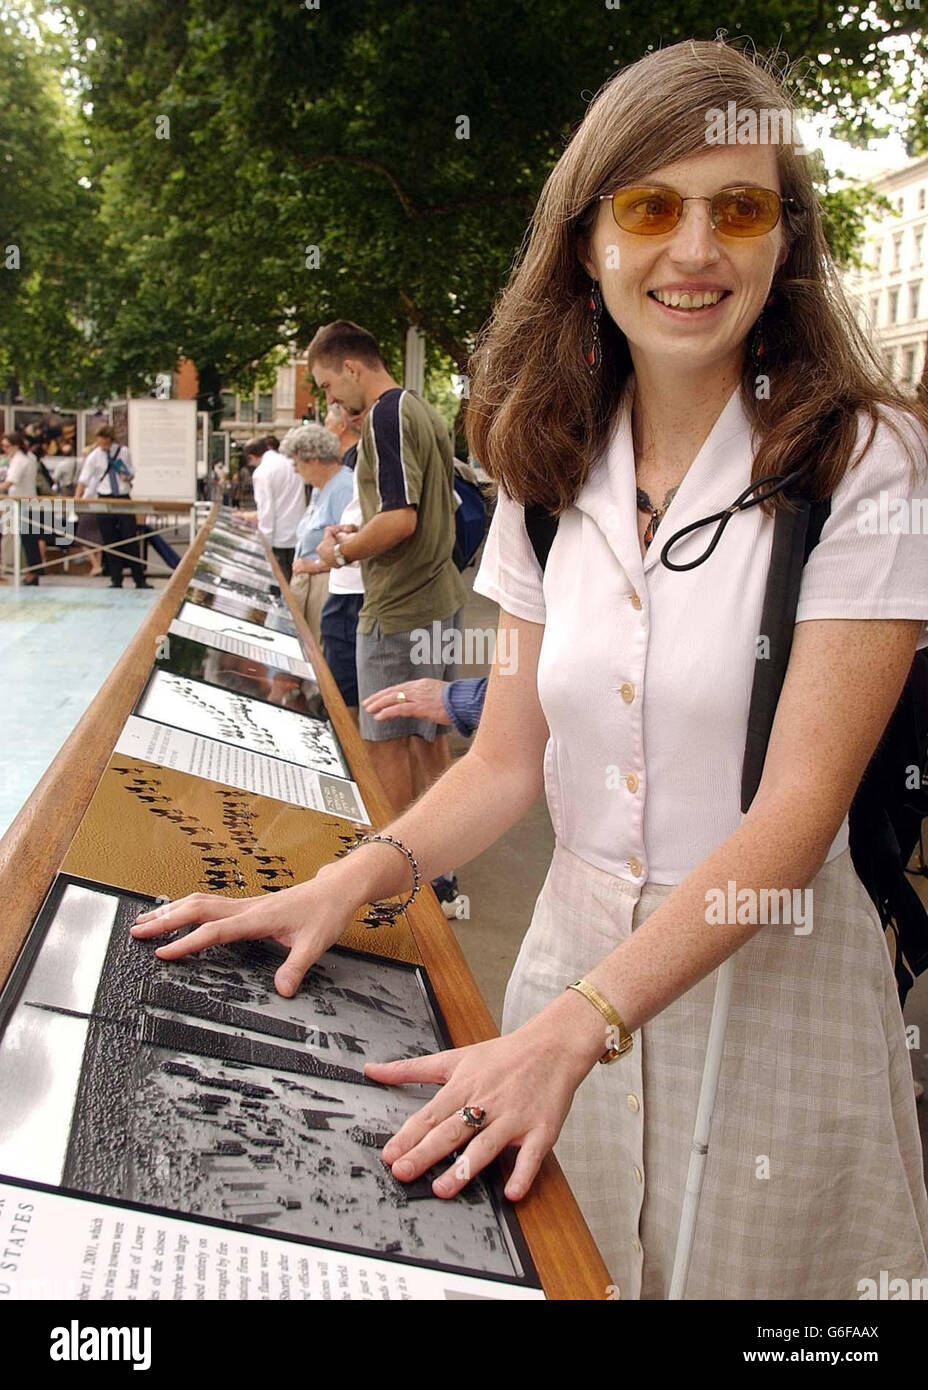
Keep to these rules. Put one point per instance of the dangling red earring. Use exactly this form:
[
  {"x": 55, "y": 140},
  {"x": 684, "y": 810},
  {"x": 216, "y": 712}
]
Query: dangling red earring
[
  {"x": 757, "y": 341},
  {"x": 595, "y": 306}
]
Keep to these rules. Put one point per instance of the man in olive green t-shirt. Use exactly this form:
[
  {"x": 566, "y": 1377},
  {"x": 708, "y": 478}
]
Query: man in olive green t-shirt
[{"x": 412, "y": 586}]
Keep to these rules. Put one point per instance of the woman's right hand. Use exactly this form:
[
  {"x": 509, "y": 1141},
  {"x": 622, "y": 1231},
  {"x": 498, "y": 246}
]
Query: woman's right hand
[{"x": 307, "y": 919}]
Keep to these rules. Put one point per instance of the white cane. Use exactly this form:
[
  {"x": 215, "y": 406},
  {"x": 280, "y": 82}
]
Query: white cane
[{"x": 699, "y": 1151}]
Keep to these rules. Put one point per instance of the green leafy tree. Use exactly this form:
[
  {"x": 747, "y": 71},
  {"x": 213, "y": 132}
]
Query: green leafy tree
[
  {"x": 46, "y": 218},
  {"x": 260, "y": 169}
]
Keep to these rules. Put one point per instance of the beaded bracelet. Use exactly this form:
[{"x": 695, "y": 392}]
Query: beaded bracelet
[{"x": 386, "y": 912}]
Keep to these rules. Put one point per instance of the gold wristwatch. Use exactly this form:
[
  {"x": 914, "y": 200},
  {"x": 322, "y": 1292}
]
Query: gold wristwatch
[{"x": 618, "y": 1036}]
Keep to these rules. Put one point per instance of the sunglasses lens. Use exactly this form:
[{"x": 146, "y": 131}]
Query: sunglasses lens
[
  {"x": 746, "y": 212},
  {"x": 650, "y": 211}
]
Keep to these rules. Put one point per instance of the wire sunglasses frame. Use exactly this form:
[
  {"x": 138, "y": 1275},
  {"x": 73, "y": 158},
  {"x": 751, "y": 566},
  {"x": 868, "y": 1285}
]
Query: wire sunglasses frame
[{"x": 772, "y": 200}]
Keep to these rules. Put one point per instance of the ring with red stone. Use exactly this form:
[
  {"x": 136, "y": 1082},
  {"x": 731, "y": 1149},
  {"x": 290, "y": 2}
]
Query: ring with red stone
[{"x": 474, "y": 1116}]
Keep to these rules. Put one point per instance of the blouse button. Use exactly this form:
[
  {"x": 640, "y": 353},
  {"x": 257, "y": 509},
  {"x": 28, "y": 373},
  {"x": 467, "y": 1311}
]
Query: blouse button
[
  {"x": 635, "y": 866},
  {"x": 633, "y": 1103},
  {"x": 631, "y": 781},
  {"x": 627, "y": 691},
  {"x": 635, "y": 602},
  {"x": 639, "y": 1176}
]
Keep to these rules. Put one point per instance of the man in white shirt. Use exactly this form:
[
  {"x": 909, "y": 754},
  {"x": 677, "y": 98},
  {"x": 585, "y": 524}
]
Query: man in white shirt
[
  {"x": 21, "y": 466},
  {"x": 63, "y": 468},
  {"x": 108, "y": 472},
  {"x": 20, "y": 481},
  {"x": 280, "y": 498}
]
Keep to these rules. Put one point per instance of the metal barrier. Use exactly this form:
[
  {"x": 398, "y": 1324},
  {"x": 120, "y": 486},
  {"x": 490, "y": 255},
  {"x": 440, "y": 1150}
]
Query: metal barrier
[{"x": 55, "y": 515}]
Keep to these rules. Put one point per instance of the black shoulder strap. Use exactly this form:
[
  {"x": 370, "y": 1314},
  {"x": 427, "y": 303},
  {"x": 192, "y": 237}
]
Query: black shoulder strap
[
  {"x": 542, "y": 528},
  {"x": 795, "y": 534}
]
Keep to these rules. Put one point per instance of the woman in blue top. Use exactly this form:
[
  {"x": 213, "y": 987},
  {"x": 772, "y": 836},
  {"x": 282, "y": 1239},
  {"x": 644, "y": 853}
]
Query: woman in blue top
[{"x": 316, "y": 455}]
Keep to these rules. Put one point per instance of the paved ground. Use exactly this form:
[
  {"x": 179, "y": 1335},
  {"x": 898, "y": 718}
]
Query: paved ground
[{"x": 58, "y": 643}]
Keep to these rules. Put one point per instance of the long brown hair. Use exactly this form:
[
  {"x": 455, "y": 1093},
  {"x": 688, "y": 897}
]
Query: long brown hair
[{"x": 538, "y": 419}]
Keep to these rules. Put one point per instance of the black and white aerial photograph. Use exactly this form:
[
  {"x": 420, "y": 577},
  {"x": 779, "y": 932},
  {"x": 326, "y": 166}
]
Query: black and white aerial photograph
[
  {"x": 207, "y": 577},
  {"x": 265, "y": 613},
  {"x": 229, "y": 670},
  {"x": 226, "y": 571},
  {"x": 232, "y": 519},
  {"x": 194, "y": 1087},
  {"x": 239, "y": 534},
  {"x": 210, "y": 620},
  {"x": 231, "y": 543},
  {"x": 232, "y": 717},
  {"x": 216, "y": 553}
]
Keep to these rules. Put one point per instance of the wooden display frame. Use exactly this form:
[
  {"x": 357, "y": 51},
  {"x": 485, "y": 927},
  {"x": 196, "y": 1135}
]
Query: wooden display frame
[{"x": 32, "y": 850}]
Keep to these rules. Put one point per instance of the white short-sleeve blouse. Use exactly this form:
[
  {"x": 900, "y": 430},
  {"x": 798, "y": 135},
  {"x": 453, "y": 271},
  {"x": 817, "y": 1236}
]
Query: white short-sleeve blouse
[{"x": 645, "y": 673}]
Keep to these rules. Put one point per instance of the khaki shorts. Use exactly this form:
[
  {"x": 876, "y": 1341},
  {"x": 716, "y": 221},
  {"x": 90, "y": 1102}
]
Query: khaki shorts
[{"x": 390, "y": 658}]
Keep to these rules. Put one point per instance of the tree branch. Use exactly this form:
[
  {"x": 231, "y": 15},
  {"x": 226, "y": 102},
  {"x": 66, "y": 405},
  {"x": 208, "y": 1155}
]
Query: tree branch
[
  {"x": 445, "y": 340},
  {"x": 359, "y": 162},
  {"x": 405, "y": 202}
]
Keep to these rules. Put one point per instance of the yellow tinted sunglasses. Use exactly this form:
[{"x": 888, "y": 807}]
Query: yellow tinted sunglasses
[{"x": 736, "y": 212}]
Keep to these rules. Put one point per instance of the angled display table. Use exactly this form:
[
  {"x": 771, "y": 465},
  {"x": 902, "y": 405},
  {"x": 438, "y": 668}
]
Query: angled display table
[{"x": 180, "y": 1130}]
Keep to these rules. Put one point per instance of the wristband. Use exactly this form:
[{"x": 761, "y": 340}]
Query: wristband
[
  {"x": 617, "y": 1028},
  {"x": 388, "y": 912}
]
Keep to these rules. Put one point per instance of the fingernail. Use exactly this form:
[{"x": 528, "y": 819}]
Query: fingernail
[{"x": 402, "y": 1168}]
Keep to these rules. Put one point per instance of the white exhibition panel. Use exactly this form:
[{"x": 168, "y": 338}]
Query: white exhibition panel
[{"x": 163, "y": 447}]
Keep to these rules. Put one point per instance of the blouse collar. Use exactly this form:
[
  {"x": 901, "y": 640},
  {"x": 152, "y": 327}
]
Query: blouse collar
[{"x": 718, "y": 473}]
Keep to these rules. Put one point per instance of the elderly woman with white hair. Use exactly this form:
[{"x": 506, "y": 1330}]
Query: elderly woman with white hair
[{"x": 316, "y": 455}]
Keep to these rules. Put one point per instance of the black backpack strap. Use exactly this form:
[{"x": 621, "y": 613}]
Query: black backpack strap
[
  {"x": 542, "y": 528},
  {"x": 795, "y": 534},
  {"x": 113, "y": 470}
]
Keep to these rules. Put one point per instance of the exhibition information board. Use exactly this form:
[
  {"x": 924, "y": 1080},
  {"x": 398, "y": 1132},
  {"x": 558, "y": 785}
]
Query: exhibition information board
[
  {"x": 178, "y": 1130},
  {"x": 162, "y": 438}
]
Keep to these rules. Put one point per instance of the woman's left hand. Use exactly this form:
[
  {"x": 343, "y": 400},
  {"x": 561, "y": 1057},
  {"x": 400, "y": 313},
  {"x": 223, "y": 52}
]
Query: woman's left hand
[{"x": 524, "y": 1081}]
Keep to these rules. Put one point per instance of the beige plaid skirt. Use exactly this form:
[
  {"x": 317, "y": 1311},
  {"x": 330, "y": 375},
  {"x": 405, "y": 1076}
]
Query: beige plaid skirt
[{"x": 814, "y": 1177}]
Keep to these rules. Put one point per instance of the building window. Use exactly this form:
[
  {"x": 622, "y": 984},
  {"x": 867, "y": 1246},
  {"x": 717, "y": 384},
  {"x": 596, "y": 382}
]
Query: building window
[
  {"x": 908, "y": 368},
  {"x": 919, "y": 243},
  {"x": 874, "y": 309},
  {"x": 913, "y": 300},
  {"x": 894, "y": 306},
  {"x": 265, "y": 405},
  {"x": 921, "y": 200},
  {"x": 228, "y": 405},
  {"x": 900, "y": 204},
  {"x": 897, "y": 252},
  {"x": 246, "y": 409}
]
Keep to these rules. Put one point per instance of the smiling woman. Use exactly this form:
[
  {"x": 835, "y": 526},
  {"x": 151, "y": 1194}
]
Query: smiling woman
[
  {"x": 651, "y": 209},
  {"x": 623, "y": 360}
]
